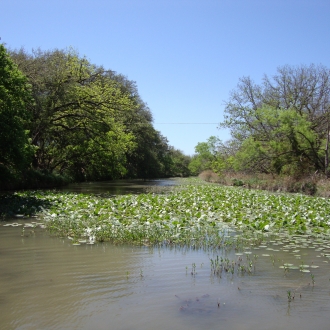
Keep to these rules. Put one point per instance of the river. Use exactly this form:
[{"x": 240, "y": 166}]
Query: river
[{"x": 48, "y": 283}]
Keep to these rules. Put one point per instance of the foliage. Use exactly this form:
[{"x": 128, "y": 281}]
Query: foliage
[
  {"x": 75, "y": 126},
  {"x": 206, "y": 157},
  {"x": 281, "y": 139},
  {"x": 90, "y": 123},
  {"x": 178, "y": 163},
  {"x": 193, "y": 215},
  {"x": 15, "y": 148},
  {"x": 31, "y": 179},
  {"x": 149, "y": 159},
  {"x": 282, "y": 125},
  {"x": 151, "y": 156},
  {"x": 22, "y": 204},
  {"x": 237, "y": 183}
]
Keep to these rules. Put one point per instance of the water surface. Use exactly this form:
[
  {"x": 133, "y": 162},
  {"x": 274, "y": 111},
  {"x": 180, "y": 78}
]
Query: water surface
[
  {"x": 118, "y": 187},
  {"x": 47, "y": 283}
]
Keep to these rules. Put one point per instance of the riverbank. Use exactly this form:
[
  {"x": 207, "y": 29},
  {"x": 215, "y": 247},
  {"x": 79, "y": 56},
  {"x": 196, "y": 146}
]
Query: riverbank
[
  {"x": 30, "y": 179},
  {"x": 314, "y": 185}
]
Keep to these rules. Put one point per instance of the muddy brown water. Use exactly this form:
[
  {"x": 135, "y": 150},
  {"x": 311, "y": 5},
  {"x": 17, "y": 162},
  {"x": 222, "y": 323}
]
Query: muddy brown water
[{"x": 48, "y": 283}]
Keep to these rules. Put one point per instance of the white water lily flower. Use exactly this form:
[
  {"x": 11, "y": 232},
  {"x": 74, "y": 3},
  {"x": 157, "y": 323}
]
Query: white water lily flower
[{"x": 88, "y": 231}]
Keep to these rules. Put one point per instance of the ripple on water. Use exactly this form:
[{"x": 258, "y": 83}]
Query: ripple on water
[{"x": 92, "y": 286}]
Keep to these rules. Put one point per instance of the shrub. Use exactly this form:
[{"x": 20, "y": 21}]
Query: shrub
[{"x": 238, "y": 183}]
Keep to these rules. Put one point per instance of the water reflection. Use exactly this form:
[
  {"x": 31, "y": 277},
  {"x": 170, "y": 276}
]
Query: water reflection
[{"x": 117, "y": 187}]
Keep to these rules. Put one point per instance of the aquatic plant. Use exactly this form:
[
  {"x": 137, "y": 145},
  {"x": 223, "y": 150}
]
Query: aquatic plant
[
  {"x": 22, "y": 204},
  {"x": 197, "y": 215},
  {"x": 313, "y": 279}
]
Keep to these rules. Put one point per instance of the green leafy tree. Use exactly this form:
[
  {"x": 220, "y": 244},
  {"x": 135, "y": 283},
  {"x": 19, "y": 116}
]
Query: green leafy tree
[
  {"x": 284, "y": 143},
  {"x": 282, "y": 125},
  {"x": 205, "y": 157},
  {"x": 180, "y": 163},
  {"x": 89, "y": 122},
  {"x": 150, "y": 157},
  {"x": 78, "y": 113},
  {"x": 15, "y": 149}
]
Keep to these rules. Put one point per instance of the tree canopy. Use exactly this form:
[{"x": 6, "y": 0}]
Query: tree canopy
[
  {"x": 282, "y": 125},
  {"x": 205, "y": 156},
  {"x": 15, "y": 96},
  {"x": 77, "y": 115},
  {"x": 81, "y": 119}
]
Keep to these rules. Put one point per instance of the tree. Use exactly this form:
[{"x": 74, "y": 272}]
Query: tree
[
  {"x": 284, "y": 122},
  {"x": 178, "y": 163},
  {"x": 205, "y": 157},
  {"x": 150, "y": 157},
  {"x": 15, "y": 149},
  {"x": 89, "y": 122},
  {"x": 78, "y": 112}
]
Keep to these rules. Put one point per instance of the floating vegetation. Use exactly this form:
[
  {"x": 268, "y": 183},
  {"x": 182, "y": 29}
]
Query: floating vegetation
[{"x": 198, "y": 216}]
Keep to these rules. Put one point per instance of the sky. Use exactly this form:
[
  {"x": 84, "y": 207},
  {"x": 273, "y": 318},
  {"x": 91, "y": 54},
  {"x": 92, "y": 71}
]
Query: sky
[{"x": 186, "y": 56}]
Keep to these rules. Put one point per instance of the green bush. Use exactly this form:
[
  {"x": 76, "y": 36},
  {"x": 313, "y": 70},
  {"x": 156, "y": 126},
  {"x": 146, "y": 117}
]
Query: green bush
[{"x": 238, "y": 183}]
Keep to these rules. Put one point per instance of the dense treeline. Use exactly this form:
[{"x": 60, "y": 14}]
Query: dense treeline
[
  {"x": 62, "y": 116},
  {"x": 280, "y": 126}
]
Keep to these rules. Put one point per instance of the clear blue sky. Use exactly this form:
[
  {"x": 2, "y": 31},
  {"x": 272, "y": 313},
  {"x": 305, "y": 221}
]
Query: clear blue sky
[{"x": 185, "y": 55}]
